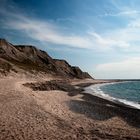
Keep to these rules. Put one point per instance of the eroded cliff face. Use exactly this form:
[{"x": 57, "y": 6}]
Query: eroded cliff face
[{"x": 29, "y": 58}]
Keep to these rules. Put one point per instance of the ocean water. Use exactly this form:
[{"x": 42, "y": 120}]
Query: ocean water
[{"x": 123, "y": 92}]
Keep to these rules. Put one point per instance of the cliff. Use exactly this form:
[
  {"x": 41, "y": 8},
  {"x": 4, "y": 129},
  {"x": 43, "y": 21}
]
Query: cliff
[{"x": 29, "y": 58}]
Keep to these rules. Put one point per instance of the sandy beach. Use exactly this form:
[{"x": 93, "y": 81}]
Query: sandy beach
[{"x": 26, "y": 114}]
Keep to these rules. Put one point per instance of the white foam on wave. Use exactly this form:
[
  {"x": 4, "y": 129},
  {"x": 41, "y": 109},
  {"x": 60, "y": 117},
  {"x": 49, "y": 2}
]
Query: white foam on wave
[{"x": 96, "y": 90}]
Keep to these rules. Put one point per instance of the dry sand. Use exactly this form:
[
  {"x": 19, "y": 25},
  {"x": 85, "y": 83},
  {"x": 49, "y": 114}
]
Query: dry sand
[{"x": 36, "y": 115}]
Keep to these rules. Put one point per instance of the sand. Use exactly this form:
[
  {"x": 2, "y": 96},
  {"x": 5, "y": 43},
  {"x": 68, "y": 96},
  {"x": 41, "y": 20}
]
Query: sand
[{"x": 36, "y": 115}]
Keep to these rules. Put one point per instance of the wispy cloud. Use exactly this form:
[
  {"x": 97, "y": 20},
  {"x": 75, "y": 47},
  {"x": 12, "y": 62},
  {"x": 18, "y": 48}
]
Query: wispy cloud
[
  {"x": 128, "y": 68},
  {"x": 122, "y": 13},
  {"x": 44, "y": 31},
  {"x": 108, "y": 42}
]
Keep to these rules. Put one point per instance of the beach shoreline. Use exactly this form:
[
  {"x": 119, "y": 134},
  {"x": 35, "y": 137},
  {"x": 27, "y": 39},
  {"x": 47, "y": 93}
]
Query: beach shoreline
[
  {"x": 56, "y": 114},
  {"x": 94, "y": 89}
]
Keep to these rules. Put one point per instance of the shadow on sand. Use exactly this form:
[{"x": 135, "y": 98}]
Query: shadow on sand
[{"x": 101, "y": 109}]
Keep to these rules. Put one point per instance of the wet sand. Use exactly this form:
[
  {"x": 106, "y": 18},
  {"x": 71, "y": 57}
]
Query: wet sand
[{"x": 26, "y": 114}]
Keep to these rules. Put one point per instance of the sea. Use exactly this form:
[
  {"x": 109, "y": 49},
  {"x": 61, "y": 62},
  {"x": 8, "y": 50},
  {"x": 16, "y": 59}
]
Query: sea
[{"x": 127, "y": 92}]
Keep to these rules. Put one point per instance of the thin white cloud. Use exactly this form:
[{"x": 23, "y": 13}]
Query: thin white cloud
[
  {"x": 43, "y": 31},
  {"x": 129, "y": 35},
  {"x": 108, "y": 42},
  {"x": 122, "y": 13},
  {"x": 128, "y": 68},
  {"x": 46, "y": 32},
  {"x": 134, "y": 24}
]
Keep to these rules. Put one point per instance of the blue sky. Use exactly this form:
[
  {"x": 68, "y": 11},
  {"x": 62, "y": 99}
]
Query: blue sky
[{"x": 100, "y": 36}]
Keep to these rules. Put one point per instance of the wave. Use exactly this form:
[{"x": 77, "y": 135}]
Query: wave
[{"x": 96, "y": 90}]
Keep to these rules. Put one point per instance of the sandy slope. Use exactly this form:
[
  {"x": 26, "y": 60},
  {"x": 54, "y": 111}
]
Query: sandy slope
[{"x": 34, "y": 115}]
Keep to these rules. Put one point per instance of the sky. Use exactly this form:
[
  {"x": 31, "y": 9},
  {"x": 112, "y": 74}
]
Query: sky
[{"x": 102, "y": 37}]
